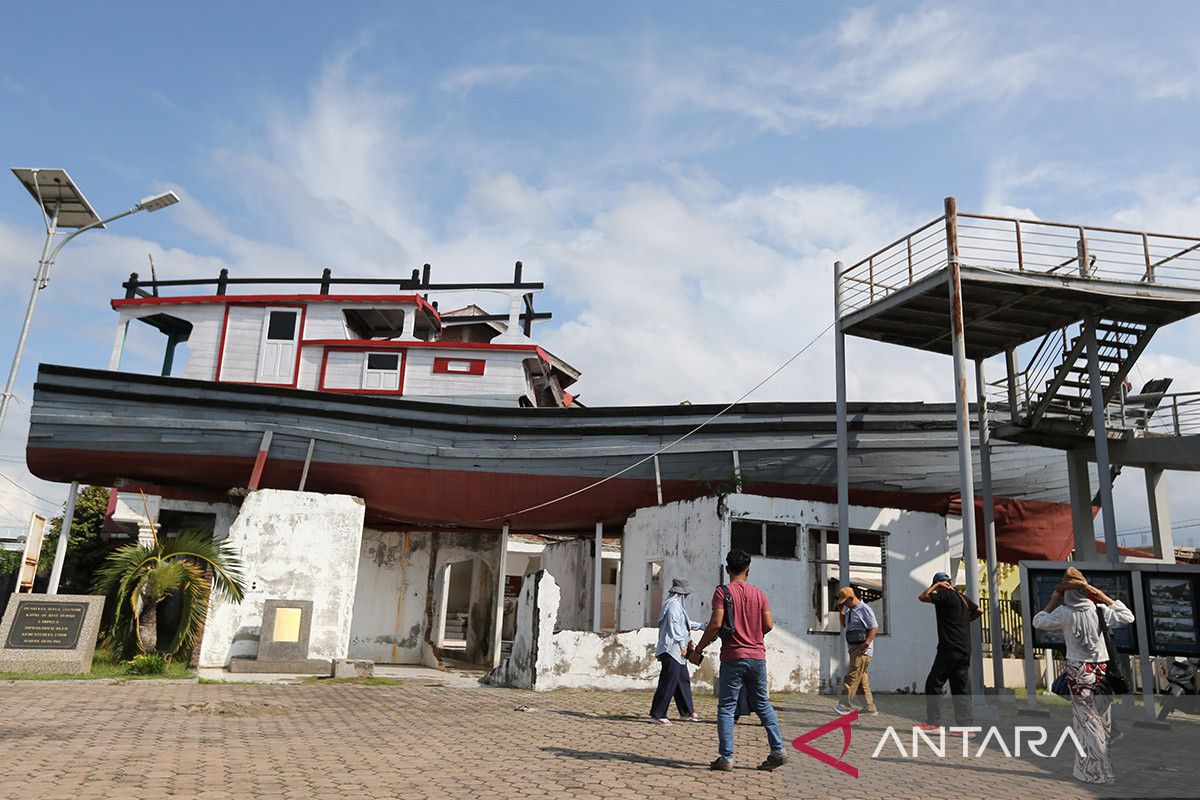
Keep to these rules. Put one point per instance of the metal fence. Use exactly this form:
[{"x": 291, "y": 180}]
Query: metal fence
[
  {"x": 1012, "y": 631},
  {"x": 1021, "y": 245}
]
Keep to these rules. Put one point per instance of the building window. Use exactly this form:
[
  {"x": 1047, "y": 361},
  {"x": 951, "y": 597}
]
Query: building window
[
  {"x": 868, "y": 574},
  {"x": 766, "y": 539},
  {"x": 746, "y": 536}
]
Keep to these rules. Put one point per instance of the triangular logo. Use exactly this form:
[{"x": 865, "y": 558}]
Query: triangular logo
[{"x": 843, "y": 722}]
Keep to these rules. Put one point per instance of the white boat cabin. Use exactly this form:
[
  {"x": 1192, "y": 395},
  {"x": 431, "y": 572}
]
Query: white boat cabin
[{"x": 396, "y": 345}]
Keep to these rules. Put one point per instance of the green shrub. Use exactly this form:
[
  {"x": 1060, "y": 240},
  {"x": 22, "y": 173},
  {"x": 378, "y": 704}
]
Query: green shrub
[{"x": 148, "y": 664}]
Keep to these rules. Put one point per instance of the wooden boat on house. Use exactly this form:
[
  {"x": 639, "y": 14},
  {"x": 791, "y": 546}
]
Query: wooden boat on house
[{"x": 461, "y": 419}]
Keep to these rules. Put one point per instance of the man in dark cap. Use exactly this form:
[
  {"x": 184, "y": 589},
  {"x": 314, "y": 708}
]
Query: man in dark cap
[
  {"x": 952, "y": 664},
  {"x": 674, "y": 641}
]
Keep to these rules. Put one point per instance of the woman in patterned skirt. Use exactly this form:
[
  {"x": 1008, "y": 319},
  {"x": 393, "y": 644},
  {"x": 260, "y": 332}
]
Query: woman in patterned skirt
[{"x": 1072, "y": 610}]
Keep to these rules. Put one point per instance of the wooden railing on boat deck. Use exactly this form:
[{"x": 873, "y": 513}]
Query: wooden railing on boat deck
[
  {"x": 419, "y": 281},
  {"x": 1020, "y": 245}
]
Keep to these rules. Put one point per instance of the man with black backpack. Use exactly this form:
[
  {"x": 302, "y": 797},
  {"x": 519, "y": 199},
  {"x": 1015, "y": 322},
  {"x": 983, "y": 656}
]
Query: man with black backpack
[{"x": 741, "y": 616}]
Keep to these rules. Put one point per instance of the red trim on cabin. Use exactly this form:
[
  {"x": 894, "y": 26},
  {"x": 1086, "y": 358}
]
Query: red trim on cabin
[
  {"x": 280, "y": 299},
  {"x": 474, "y": 365},
  {"x": 384, "y": 344},
  {"x": 399, "y": 390}
]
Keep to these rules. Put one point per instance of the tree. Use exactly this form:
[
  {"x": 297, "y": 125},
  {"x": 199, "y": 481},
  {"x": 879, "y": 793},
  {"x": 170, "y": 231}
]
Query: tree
[
  {"x": 136, "y": 578},
  {"x": 86, "y": 548}
]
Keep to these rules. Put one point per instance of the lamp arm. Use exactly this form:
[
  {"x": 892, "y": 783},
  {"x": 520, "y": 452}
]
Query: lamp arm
[{"x": 100, "y": 223}]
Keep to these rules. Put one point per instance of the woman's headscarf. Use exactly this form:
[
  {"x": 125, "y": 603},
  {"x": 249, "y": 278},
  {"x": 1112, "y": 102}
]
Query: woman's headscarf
[{"x": 1085, "y": 627}]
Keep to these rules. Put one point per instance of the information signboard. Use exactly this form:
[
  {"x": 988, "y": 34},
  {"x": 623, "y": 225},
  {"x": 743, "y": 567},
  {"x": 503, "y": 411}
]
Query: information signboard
[
  {"x": 1117, "y": 585},
  {"x": 1171, "y": 600}
]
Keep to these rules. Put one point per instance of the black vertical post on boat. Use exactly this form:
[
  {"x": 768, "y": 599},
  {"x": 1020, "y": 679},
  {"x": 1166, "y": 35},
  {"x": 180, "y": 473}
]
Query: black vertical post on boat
[
  {"x": 517, "y": 273},
  {"x": 425, "y": 274},
  {"x": 222, "y": 281},
  {"x": 326, "y": 275},
  {"x": 132, "y": 286},
  {"x": 843, "y": 443}
]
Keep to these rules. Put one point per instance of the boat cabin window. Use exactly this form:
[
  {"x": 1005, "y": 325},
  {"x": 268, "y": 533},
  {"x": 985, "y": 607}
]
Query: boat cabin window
[
  {"x": 382, "y": 371},
  {"x": 375, "y": 323},
  {"x": 868, "y": 575},
  {"x": 281, "y": 326}
]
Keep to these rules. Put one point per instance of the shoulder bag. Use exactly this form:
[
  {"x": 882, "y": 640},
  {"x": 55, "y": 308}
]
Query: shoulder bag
[{"x": 1116, "y": 678}]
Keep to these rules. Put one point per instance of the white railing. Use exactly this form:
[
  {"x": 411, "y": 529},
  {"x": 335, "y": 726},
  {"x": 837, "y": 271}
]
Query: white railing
[{"x": 1020, "y": 245}]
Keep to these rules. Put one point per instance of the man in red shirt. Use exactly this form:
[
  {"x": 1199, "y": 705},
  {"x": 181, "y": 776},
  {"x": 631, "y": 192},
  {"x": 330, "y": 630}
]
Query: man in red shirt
[{"x": 741, "y": 616}]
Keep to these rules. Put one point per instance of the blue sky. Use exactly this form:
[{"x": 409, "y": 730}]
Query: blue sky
[{"x": 681, "y": 176}]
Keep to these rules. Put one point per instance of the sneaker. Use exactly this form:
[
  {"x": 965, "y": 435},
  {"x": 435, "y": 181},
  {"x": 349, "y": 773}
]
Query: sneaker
[
  {"x": 874, "y": 713},
  {"x": 720, "y": 765},
  {"x": 692, "y": 718},
  {"x": 774, "y": 761},
  {"x": 841, "y": 709},
  {"x": 928, "y": 727},
  {"x": 661, "y": 720}
]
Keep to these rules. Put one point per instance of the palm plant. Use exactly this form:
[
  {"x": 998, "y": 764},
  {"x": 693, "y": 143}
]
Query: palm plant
[{"x": 137, "y": 577}]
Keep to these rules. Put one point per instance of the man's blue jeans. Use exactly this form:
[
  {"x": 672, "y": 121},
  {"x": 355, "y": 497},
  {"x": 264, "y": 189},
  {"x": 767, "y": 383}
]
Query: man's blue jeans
[{"x": 753, "y": 673}]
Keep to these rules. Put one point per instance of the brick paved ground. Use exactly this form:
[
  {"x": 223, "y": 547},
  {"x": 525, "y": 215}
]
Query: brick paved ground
[{"x": 153, "y": 740}]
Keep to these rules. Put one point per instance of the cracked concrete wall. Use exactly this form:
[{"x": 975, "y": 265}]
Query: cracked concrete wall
[
  {"x": 389, "y": 601},
  {"x": 570, "y": 562},
  {"x": 295, "y": 546}
]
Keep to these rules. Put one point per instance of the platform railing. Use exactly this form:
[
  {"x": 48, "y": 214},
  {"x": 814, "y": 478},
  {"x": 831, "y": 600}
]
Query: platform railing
[{"x": 1021, "y": 245}]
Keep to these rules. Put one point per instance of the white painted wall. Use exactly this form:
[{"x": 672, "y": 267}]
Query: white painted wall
[
  {"x": 243, "y": 338},
  {"x": 389, "y": 600},
  {"x": 691, "y": 538},
  {"x": 504, "y": 374},
  {"x": 295, "y": 546}
]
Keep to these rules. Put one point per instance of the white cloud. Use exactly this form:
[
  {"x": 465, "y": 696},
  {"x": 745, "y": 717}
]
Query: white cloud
[{"x": 504, "y": 75}]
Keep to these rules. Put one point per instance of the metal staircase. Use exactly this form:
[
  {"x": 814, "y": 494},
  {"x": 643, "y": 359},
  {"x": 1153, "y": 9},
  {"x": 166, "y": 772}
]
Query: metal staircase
[{"x": 1055, "y": 390}]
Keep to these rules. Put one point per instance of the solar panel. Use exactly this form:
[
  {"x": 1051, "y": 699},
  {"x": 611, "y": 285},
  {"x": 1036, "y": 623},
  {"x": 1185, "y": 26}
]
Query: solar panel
[{"x": 50, "y": 186}]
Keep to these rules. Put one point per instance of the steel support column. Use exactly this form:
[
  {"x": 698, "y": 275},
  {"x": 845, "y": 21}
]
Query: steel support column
[
  {"x": 843, "y": 443},
  {"x": 966, "y": 478},
  {"x": 1100, "y": 436},
  {"x": 1163, "y": 537},
  {"x": 989, "y": 525},
  {"x": 1079, "y": 483}
]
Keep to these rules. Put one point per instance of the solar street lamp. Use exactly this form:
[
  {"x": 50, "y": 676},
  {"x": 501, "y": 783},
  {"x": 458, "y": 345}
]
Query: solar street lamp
[{"x": 63, "y": 206}]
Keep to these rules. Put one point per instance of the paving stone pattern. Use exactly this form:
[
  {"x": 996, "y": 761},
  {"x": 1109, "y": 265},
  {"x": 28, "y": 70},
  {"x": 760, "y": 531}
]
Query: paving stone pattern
[{"x": 421, "y": 739}]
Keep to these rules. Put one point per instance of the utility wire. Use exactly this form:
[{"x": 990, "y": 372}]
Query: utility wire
[
  {"x": 55, "y": 503},
  {"x": 667, "y": 447}
]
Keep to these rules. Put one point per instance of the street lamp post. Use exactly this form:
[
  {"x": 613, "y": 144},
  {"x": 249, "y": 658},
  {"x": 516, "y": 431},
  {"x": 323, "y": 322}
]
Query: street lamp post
[{"x": 63, "y": 206}]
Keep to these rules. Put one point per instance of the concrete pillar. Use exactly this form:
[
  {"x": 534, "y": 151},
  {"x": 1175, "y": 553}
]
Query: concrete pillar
[
  {"x": 1163, "y": 538},
  {"x": 1080, "y": 489},
  {"x": 498, "y": 621},
  {"x": 597, "y": 575}
]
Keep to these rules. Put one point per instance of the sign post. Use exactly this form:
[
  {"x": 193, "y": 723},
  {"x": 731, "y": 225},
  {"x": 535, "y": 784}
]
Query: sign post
[{"x": 33, "y": 552}]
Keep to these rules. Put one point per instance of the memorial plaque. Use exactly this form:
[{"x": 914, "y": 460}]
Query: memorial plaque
[
  {"x": 50, "y": 634},
  {"x": 46, "y": 626}
]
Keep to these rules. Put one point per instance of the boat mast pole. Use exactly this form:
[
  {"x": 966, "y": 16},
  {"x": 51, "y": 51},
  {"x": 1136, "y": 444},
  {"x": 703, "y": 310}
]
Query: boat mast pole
[{"x": 843, "y": 477}]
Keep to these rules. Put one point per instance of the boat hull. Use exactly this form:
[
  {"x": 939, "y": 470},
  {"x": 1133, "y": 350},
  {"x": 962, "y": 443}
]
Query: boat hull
[{"x": 423, "y": 464}]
